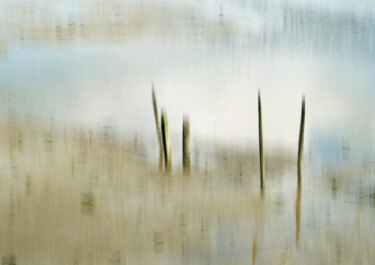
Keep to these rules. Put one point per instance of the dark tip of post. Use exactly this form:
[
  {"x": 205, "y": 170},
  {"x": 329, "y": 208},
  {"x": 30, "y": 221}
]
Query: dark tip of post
[
  {"x": 301, "y": 139},
  {"x": 186, "y": 144},
  {"x": 261, "y": 160},
  {"x": 166, "y": 142}
]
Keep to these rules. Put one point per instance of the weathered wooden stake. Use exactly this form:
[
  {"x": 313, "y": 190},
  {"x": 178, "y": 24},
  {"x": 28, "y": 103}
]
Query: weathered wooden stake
[
  {"x": 261, "y": 160},
  {"x": 300, "y": 142},
  {"x": 186, "y": 144},
  {"x": 158, "y": 129},
  {"x": 166, "y": 143}
]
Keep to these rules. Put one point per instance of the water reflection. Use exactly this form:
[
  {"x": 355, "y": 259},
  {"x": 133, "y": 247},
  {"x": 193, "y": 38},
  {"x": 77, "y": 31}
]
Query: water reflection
[
  {"x": 80, "y": 176},
  {"x": 117, "y": 202},
  {"x": 254, "y": 252}
]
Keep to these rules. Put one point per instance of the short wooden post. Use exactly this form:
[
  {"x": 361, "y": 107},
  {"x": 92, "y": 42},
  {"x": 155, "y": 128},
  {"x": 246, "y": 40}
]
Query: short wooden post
[
  {"x": 300, "y": 142},
  {"x": 158, "y": 129},
  {"x": 186, "y": 144},
  {"x": 261, "y": 160},
  {"x": 166, "y": 143}
]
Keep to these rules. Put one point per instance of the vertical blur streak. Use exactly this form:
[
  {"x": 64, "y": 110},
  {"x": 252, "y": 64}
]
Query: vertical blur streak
[
  {"x": 186, "y": 144},
  {"x": 260, "y": 140},
  {"x": 254, "y": 250},
  {"x": 298, "y": 212}
]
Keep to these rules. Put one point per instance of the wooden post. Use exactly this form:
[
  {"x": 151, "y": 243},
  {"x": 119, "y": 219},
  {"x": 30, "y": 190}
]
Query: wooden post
[
  {"x": 298, "y": 212},
  {"x": 261, "y": 160},
  {"x": 158, "y": 129},
  {"x": 300, "y": 142},
  {"x": 186, "y": 144},
  {"x": 166, "y": 143}
]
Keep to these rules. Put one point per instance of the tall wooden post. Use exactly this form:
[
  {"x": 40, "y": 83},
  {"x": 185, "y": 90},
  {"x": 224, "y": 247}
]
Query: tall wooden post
[
  {"x": 166, "y": 142},
  {"x": 300, "y": 142},
  {"x": 186, "y": 144},
  {"x": 158, "y": 129},
  {"x": 261, "y": 160}
]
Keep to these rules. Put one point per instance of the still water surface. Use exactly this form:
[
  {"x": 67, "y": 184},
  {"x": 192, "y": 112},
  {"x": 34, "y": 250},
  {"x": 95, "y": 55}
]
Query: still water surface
[{"x": 93, "y": 63}]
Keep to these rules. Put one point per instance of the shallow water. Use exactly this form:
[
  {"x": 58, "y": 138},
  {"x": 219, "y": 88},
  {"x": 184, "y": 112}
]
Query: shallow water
[
  {"x": 71, "y": 196},
  {"x": 71, "y": 72}
]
